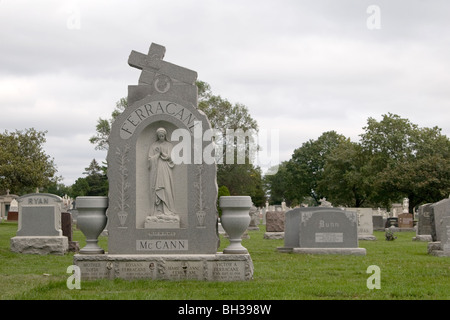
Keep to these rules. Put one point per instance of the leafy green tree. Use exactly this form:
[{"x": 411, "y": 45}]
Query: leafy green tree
[
  {"x": 103, "y": 128},
  {"x": 96, "y": 179},
  {"x": 346, "y": 178},
  {"x": 24, "y": 165},
  {"x": 223, "y": 191},
  {"x": 94, "y": 184},
  {"x": 279, "y": 186},
  {"x": 407, "y": 161},
  {"x": 57, "y": 188},
  {"x": 240, "y": 178},
  {"x": 223, "y": 114},
  {"x": 256, "y": 189},
  {"x": 80, "y": 188}
]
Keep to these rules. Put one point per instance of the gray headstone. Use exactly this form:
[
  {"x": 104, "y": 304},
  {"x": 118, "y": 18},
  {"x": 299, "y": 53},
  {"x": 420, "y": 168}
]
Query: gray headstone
[
  {"x": 441, "y": 248},
  {"x": 378, "y": 222},
  {"x": 445, "y": 232},
  {"x": 39, "y": 215},
  {"x": 332, "y": 228},
  {"x": 424, "y": 220},
  {"x": 365, "y": 223},
  {"x": 321, "y": 230},
  {"x": 439, "y": 210},
  {"x": 254, "y": 216},
  {"x": 292, "y": 225},
  {"x": 39, "y": 228}
]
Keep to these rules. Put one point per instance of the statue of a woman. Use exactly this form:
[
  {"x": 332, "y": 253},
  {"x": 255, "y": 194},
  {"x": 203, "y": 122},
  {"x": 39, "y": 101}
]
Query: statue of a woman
[{"x": 161, "y": 166}]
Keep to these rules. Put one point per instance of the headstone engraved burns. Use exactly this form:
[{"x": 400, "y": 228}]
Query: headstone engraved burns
[{"x": 321, "y": 230}]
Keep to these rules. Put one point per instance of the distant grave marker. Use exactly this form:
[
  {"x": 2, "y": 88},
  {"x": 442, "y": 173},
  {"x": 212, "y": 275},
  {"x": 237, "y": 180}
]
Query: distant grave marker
[
  {"x": 321, "y": 231},
  {"x": 39, "y": 228}
]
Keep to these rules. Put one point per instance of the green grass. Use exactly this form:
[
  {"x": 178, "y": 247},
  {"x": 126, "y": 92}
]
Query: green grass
[{"x": 407, "y": 272}]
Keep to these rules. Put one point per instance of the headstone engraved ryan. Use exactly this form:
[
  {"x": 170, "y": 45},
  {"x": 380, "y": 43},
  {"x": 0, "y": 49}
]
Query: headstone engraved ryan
[{"x": 39, "y": 227}]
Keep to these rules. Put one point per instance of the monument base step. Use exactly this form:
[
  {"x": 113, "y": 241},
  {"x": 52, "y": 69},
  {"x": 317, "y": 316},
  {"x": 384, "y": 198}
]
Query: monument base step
[
  {"x": 397, "y": 229},
  {"x": 340, "y": 251},
  {"x": 274, "y": 235},
  {"x": 423, "y": 237},
  {"x": 367, "y": 237},
  {"x": 436, "y": 249},
  {"x": 41, "y": 245},
  {"x": 206, "y": 267},
  {"x": 440, "y": 253}
]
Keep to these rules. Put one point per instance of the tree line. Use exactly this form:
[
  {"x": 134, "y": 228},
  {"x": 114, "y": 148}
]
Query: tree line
[
  {"x": 232, "y": 179},
  {"x": 394, "y": 159}
]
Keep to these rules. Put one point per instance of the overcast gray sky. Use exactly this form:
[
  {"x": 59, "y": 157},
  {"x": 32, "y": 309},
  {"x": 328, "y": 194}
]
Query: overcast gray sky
[{"x": 301, "y": 67}]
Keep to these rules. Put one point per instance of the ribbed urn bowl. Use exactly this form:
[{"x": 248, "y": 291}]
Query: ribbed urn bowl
[
  {"x": 235, "y": 219},
  {"x": 91, "y": 221}
]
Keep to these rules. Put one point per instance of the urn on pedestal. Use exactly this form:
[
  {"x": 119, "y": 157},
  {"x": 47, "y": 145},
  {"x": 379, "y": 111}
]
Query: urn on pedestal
[
  {"x": 235, "y": 219},
  {"x": 91, "y": 221}
]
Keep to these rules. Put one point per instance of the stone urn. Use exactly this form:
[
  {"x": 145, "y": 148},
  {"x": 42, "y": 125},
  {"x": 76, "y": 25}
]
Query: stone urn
[
  {"x": 91, "y": 221},
  {"x": 235, "y": 219}
]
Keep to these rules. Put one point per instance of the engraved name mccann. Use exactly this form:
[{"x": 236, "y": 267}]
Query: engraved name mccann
[
  {"x": 155, "y": 245},
  {"x": 156, "y": 108}
]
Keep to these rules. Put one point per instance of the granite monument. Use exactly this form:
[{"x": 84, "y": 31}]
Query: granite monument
[{"x": 162, "y": 212}]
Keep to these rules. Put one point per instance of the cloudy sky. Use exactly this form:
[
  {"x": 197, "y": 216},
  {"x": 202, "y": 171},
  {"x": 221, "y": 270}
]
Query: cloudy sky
[{"x": 301, "y": 67}]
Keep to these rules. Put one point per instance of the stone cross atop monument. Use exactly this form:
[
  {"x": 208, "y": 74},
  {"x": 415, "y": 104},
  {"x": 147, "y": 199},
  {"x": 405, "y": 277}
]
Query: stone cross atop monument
[
  {"x": 159, "y": 76},
  {"x": 162, "y": 213}
]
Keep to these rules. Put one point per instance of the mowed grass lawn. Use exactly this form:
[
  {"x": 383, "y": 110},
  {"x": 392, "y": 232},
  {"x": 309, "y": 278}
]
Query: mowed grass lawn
[{"x": 406, "y": 272}]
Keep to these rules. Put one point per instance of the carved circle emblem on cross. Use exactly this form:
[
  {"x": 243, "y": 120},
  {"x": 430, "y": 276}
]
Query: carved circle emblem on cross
[{"x": 162, "y": 83}]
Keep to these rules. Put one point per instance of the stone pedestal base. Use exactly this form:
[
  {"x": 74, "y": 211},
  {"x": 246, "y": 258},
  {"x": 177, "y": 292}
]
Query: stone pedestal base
[
  {"x": 422, "y": 237},
  {"x": 57, "y": 245},
  {"x": 435, "y": 249},
  {"x": 274, "y": 235},
  {"x": 340, "y": 251},
  {"x": 367, "y": 237},
  {"x": 397, "y": 229},
  {"x": 209, "y": 267}
]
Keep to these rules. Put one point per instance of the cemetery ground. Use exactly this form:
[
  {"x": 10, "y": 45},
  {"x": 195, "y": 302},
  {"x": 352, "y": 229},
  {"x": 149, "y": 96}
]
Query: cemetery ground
[{"x": 407, "y": 272}]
